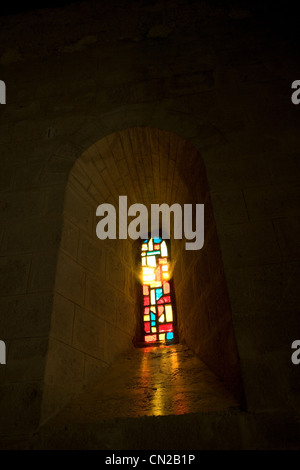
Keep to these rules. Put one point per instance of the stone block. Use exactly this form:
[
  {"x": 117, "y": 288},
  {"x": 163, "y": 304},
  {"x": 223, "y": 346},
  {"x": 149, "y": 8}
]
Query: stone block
[
  {"x": 272, "y": 201},
  {"x": 54, "y": 200},
  {"x": 64, "y": 376},
  {"x": 32, "y": 236},
  {"x": 100, "y": 298},
  {"x": 91, "y": 255},
  {"x": 14, "y": 272},
  {"x": 94, "y": 370},
  {"x": 20, "y": 407},
  {"x": 263, "y": 288},
  {"x": 229, "y": 207},
  {"x": 126, "y": 314},
  {"x": 19, "y": 205},
  {"x": 69, "y": 238},
  {"x": 284, "y": 168},
  {"x": 248, "y": 244},
  {"x": 62, "y": 319},
  {"x": 42, "y": 272},
  {"x": 26, "y": 360},
  {"x": 89, "y": 333},
  {"x": 25, "y": 316},
  {"x": 287, "y": 232},
  {"x": 70, "y": 279},
  {"x": 115, "y": 272},
  {"x": 265, "y": 381},
  {"x": 79, "y": 210}
]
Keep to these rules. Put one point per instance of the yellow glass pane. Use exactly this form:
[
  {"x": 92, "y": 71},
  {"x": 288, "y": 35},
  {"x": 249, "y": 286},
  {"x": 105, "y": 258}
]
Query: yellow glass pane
[
  {"x": 169, "y": 313},
  {"x": 165, "y": 267},
  {"x": 153, "y": 329},
  {"x": 150, "y": 245},
  {"x": 151, "y": 261},
  {"x": 162, "y": 336},
  {"x": 145, "y": 247},
  {"x": 162, "y": 318},
  {"x": 143, "y": 261},
  {"x": 146, "y": 317},
  {"x": 165, "y": 276},
  {"x": 152, "y": 296},
  {"x": 148, "y": 278},
  {"x": 147, "y": 270}
]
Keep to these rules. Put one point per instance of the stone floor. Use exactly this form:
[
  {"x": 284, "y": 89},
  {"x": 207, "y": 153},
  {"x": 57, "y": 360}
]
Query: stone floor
[
  {"x": 160, "y": 398},
  {"x": 151, "y": 381}
]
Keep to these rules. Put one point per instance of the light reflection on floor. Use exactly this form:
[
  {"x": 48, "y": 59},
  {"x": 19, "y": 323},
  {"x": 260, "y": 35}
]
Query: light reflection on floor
[{"x": 151, "y": 381}]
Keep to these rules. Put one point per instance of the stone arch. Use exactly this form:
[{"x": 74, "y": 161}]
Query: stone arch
[{"x": 95, "y": 310}]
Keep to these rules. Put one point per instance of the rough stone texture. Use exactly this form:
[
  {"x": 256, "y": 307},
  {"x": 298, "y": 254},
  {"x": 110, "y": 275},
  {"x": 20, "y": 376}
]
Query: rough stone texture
[{"x": 218, "y": 78}]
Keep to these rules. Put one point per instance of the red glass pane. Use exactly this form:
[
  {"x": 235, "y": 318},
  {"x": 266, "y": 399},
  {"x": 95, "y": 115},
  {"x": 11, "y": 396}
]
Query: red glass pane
[
  {"x": 150, "y": 338},
  {"x": 147, "y": 311},
  {"x": 164, "y": 300},
  {"x": 158, "y": 274},
  {"x": 166, "y": 327},
  {"x": 160, "y": 309},
  {"x": 156, "y": 246},
  {"x": 166, "y": 287},
  {"x": 146, "y": 290},
  {"x": 147, "y": 327},
  {"x": 146, "y": 300}
]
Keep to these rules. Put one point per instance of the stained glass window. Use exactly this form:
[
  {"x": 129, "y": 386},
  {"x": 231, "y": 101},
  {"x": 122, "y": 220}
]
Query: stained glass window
[{"x": 158, "y": 311}]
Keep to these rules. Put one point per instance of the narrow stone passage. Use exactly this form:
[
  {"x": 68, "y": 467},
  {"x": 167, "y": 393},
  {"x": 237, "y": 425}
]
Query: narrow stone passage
[{"x": 152, "y": 381}]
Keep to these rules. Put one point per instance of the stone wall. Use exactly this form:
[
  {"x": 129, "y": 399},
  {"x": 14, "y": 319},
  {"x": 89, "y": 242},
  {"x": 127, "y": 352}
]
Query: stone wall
[{"x": 210, "y": 74}]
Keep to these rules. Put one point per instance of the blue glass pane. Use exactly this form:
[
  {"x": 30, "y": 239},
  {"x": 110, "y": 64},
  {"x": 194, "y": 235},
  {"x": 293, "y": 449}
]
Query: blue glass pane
[
  {"x": 169, "y": 336},
  {"x": 156, "y": 240},
  {"x": 153, "y": 323},
  {"x": 157, "y": 252},
  {"x": 152, "y": 316},
  {"x": 159, "y": 293}
]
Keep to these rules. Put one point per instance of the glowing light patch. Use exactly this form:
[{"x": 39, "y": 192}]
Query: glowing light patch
[
  {"x": 147, "y": 271},
  {"x": 164, "y": 249},
  {"x": 152, "y": 294},
  {"x": 151, "y": 261}
]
